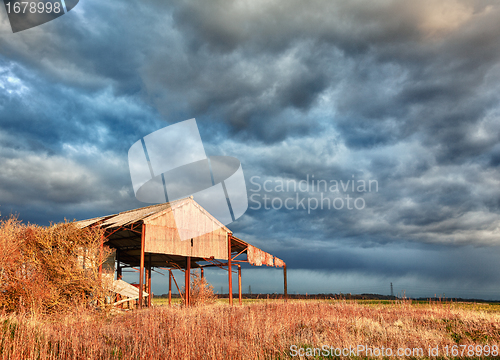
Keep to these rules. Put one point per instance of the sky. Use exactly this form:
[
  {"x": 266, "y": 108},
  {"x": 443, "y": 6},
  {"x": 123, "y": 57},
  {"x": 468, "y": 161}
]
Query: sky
[{"x": 402, "y": 96}]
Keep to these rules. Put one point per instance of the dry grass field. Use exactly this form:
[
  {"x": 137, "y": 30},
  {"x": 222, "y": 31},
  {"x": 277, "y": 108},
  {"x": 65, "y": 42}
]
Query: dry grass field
[{"x": 259, "y": 330}]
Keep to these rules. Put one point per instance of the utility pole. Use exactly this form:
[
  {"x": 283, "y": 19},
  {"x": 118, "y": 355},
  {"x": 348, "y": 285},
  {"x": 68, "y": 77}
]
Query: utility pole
[
  {"x": 250, "y": 289},
  {"x": 392, "y": 291}
]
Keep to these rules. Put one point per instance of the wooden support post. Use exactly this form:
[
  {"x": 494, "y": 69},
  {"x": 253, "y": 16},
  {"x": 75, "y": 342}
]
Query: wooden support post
[
  {"x": 148, "y": 282},
  {"x": 141, "y": 270},
  {"x": 229, "y": 269},
  {"x": 202, "y": 275},
  {"x": 169, "y": 287},
  {"x": 284, "y": 279},
  {"x": 188, "y": 279},
  {"x": 239, "y": 283}
]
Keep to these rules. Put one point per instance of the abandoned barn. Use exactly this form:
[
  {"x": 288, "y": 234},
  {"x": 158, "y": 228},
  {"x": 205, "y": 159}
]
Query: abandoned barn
[{"x": 151, "y": 237}]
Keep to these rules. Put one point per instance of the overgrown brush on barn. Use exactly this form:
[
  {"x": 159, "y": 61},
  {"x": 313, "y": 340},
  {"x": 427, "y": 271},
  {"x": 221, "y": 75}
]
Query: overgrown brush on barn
[{"x": 49, "y": 269}]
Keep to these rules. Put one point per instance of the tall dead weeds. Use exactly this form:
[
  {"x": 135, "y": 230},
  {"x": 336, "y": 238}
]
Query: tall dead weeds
[{"x": 49, "y": 269}]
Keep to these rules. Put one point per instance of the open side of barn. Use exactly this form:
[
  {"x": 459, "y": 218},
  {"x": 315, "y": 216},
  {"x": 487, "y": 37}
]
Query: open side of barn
[{"x": 151, "y": 237}]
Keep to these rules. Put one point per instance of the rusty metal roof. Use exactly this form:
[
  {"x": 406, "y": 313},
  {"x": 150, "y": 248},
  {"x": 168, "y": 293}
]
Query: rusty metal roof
[
  {"x": 255, "y": 256},
  {"x": 128, "y": 217},
  {"x": 129, "y": 239},
  {"x": 137, "y": 215}
]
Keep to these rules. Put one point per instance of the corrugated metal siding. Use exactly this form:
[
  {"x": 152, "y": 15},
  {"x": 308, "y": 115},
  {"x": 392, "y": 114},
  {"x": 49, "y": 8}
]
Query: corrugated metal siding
[
  {"x": 257, "y": 257},
  {"x": 125, "y": 289},
  {"x": 162, "y": 233},
  {"x": 133, "y": 216},
  {"x": 84, "y": 223},
  {"x": 278, "y": 262}
]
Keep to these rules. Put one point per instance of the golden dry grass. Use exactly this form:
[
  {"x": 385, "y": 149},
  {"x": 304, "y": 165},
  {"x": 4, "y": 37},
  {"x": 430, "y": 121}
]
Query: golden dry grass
[{"x": 257, "y": 331}]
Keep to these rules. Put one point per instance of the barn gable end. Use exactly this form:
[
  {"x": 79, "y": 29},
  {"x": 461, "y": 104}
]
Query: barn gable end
[{"x": 206, "y": 237}]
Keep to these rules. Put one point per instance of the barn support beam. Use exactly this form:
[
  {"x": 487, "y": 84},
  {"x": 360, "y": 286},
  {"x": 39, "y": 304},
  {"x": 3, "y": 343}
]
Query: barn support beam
[
  {"x": 141, "y": 270},
  {"x": 187, "y": 279},
  {"x": 148, "y": 282},
  {"x": 239, "y": 283},
  {"x": 285, "y": 284},
  {"x": 178, "y": 290},
  {"x": 169, "y": 287},
  {"x": 146, "y": 278},
  {"x": 230, "y": 277}
]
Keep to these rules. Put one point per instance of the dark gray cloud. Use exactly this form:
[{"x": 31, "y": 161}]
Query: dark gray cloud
[{"x": 402, "y": 93}]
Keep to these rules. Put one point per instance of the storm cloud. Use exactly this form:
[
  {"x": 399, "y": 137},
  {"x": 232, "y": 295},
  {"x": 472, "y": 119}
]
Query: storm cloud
[{"x": 405, "y": 94}]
